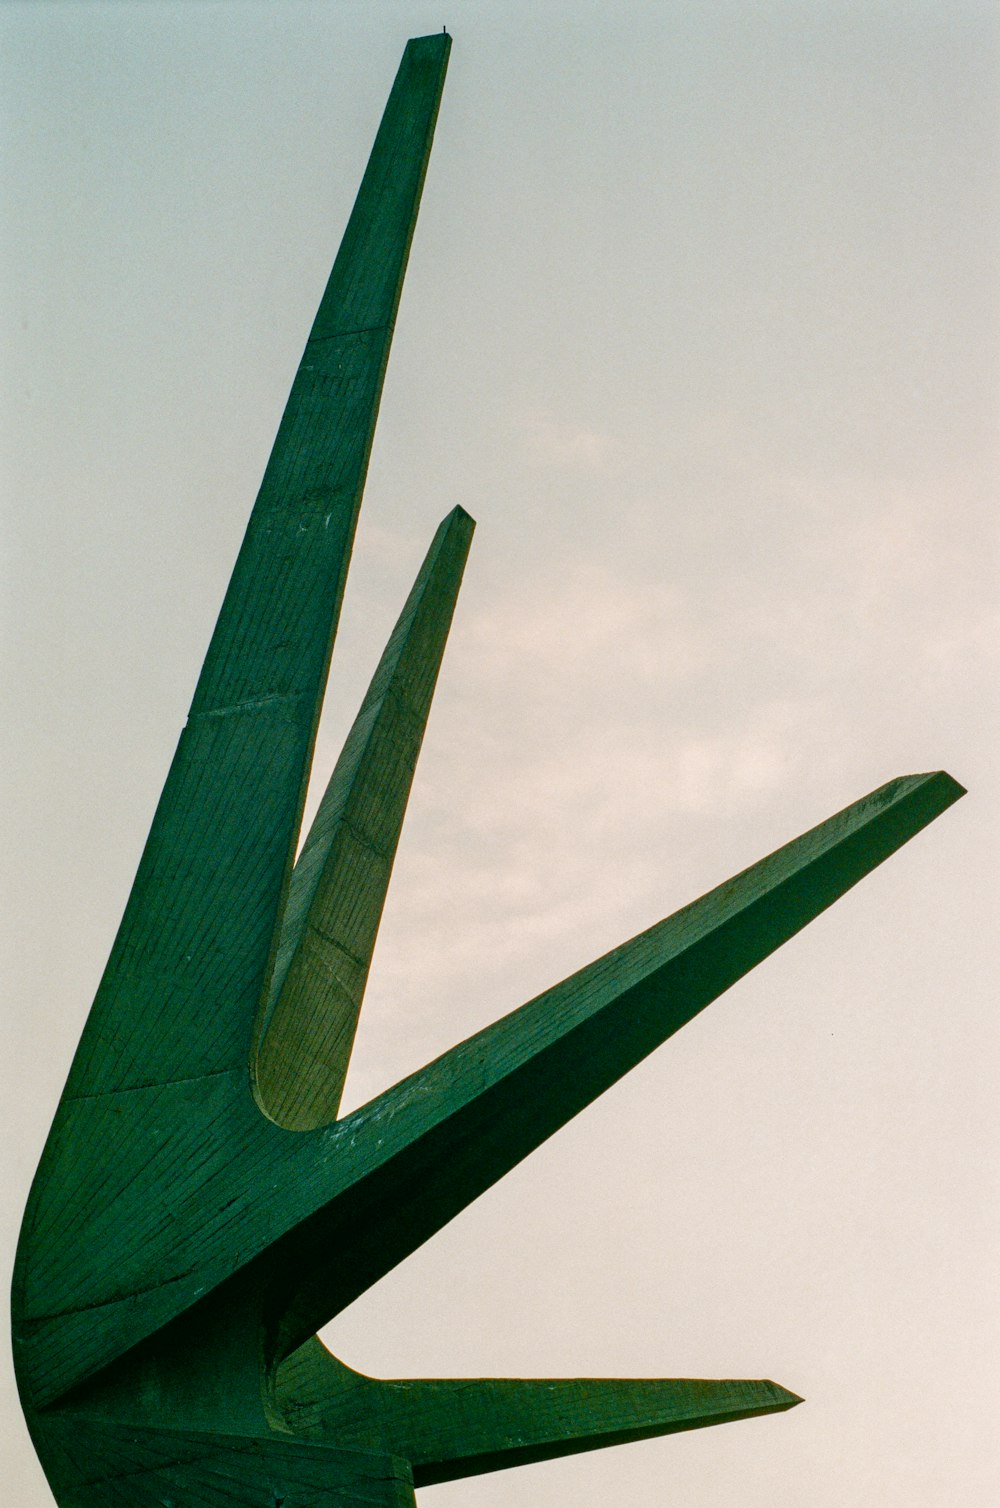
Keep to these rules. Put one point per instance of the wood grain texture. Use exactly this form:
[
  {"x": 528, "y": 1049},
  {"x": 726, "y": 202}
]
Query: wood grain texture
[
  {"x": 113, "y": 1463},
  {"x": 218, "y": 857},
  {"x": 462, "y": 1427},
  {"x": 199, "y": 1212}
]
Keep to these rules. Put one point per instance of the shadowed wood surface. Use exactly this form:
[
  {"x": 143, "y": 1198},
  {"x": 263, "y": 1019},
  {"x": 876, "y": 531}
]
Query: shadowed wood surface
[{"x": 128, "y": 1467}]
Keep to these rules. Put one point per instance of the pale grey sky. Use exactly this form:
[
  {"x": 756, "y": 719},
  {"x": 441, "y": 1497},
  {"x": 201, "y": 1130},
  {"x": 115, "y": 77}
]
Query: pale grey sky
[{"x": 701, "y": 325}]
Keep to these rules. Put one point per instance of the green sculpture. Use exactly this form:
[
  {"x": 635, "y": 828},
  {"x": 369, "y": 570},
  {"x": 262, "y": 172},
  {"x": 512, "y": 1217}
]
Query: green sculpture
[{"x": 199, "y": 1211}]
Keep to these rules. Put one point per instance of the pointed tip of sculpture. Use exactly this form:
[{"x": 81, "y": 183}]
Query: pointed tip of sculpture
[
  {"x": 440, "y": 38},
  {"x": 455, "y": 1429},
  {"x": 937, "y": 786},
  {"x": 943, "y": 789},
  {"x": 785, "y": 1398},
  {"x": 940, "y": 777}
]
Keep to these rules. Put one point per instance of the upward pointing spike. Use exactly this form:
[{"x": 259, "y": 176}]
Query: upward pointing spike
[
  {"x": 339, "y": 883},
  {"x": 174, "y": 1002}
]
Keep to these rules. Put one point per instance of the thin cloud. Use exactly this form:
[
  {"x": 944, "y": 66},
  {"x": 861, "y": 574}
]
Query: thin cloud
[{"x": 570, "y": 447}]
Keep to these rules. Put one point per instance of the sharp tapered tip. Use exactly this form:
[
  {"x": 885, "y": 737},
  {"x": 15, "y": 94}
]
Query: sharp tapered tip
[
  {"x": 947, "y": 786},
  {"x": 784, "y": 1398}
]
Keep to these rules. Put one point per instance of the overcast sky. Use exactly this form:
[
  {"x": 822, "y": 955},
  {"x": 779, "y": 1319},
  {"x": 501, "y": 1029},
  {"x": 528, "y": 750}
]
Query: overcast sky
[{"x": 701, "y": 325}]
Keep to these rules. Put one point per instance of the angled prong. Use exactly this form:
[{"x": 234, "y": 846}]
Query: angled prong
[
  {"x": 457, "y": 1429},
  {"x": 311, "y": 1220},
  {"x": 339, "y": 883},
  {"x": 463, "y": 1427},
  {"x": 422, "y": 1151}
]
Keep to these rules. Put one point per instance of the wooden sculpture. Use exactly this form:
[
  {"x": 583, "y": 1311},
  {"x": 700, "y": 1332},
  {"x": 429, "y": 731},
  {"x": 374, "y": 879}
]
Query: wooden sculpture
[{"x": 200, "y": 1211}]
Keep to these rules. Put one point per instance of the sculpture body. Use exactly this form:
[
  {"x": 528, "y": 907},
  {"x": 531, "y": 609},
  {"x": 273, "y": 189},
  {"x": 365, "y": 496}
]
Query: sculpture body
[{"x": 199, "y": 1211}]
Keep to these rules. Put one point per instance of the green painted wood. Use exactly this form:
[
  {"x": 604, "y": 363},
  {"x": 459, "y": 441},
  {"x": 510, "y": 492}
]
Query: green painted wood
[
  {"x": 418, "y": 1154},
  {"x": 165, "y": 1468},
  {"x": 450, "y": 1428},
  {"x": 198, "y": 1212},
  {"x": 223, "y": 838},
  {"x": 340, "y": 881}
]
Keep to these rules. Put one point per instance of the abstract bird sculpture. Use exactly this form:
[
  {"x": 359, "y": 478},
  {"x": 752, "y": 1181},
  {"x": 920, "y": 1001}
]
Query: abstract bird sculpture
[{"x": 199, "y": 1211}]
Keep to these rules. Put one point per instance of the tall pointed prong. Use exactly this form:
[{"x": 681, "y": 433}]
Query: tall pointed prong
[
  {"x": 463, "y": 1427},
  {"x": 339, "y": 883},
  {"x": 176, "y": 1001},
  {"x": 424, "y": 1150},
  {"x": 156, "y": 1120}
]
